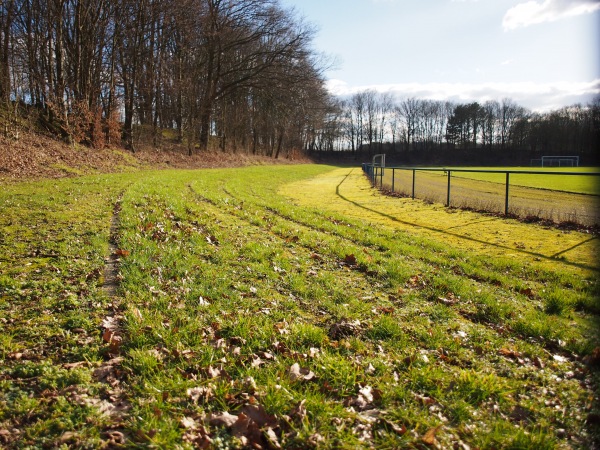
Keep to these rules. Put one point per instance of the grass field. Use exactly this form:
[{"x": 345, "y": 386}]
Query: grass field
[
  {"x": 287, "y": 307},
  {"x": 584, "y": 184},
  {"x": 573, "y": 198}
]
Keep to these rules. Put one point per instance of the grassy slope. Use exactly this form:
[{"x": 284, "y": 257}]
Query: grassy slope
[{"x": 401, "y": 338}]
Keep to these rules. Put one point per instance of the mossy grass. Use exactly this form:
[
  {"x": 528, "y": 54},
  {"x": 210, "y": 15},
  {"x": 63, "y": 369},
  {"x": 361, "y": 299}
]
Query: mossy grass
[{"x": 311, "y": 325}]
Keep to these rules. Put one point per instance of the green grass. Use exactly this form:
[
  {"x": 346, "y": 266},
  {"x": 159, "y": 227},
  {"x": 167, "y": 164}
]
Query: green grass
[
  {"x": 312, "y": 327},
  {"x": 579, "y": 184},
  {"x": 558, "y": 198}
]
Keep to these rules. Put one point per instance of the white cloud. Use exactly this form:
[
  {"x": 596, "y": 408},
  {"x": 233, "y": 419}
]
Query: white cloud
[
  {"x": 535, "y": 96},
  {"x": 534, "y": 12}
]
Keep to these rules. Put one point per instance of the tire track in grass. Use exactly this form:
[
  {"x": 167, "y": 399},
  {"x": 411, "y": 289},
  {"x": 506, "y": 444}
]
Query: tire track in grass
[
  {"x": 364, "y": 275},
  {"x": 111, "y": 266},
  {"x": 311, "y": 253},
  {"x": 475, "y": 321},
  {"x": 522, "y": 293},
  {"x": 434, "y": 259}
]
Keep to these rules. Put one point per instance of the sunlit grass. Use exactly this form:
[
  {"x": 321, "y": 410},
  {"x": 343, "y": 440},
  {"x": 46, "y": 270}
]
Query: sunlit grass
[{"x": 317, "y": 324}]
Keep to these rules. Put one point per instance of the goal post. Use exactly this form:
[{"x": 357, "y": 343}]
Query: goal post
[
  {"x": 559, "y": 161},
  {"x": 378, "y": 167}
]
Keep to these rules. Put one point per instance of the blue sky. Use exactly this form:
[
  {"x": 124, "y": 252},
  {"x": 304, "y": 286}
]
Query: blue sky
[{"x": 544, "y": 54}]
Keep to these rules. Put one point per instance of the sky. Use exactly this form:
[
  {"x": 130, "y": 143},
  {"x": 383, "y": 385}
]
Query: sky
[{"x": 543, "y": 54}]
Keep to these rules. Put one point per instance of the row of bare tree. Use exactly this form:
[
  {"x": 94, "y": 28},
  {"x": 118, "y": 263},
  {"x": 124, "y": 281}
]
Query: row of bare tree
[
  {"x": 236, "y": 74},
  {"x": 370, "y": 119}
]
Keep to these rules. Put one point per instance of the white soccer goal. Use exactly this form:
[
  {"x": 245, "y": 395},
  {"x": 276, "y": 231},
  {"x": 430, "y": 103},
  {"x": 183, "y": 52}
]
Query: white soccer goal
[{"x": 559, "y": 161}]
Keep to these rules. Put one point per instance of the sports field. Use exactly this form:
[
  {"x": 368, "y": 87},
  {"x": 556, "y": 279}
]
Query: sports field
[
  {"x": 570, "y": 183},
  {"x": 560, "y": 198}
]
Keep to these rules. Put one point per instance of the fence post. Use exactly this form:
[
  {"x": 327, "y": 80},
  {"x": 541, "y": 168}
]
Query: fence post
[
  {"x": 413, "y": 184},
  {"x": 393, "y": 178},
  {"x": 506, "y": 198},
  {"x": 448, "y": 196}
]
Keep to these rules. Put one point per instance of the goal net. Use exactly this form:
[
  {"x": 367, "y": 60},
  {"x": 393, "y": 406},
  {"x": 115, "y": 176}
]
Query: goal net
[{"x": 556, "y": 161}]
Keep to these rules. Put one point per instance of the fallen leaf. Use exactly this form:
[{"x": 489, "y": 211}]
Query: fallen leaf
[
  {"x": 67, "y": 436},
  {"x": 400, "y": 430},
  {"x": 223, "y": 419},
  {"x": 367, "y": 393},
  {"x": 299, "y": 412},
  {"x": 114, "y": 438},
  {"x": 447, "y": 301},
  {"x": 272, "y": 438},
  {"x": 429, "y": 437},
  {"x": 344, "y": 328},
  {"x": 213, "y": 372},
  {"x": 528, "y": 292},
  {"x": 521, "y": 414},
  {"x": 137, "y": 314},
  {"x": 258, "y": 414},
  {"x": 509, "y": 353},
  {"x": 296, "y": 373},
  {"x": 424, "y": 400},
  {"x": 315, "y": 439},
  {"x": 187, "y": 422},
  {"x": 203, "y": 393},
  {"x": 107, "y": 372},
  {"x": 350, "y": 260},
  {"x": 121, "y": 252},
  {"x": 256, "y": 362}
]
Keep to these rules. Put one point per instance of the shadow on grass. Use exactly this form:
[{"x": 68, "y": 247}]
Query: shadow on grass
[{"x": 555, "y": 258}]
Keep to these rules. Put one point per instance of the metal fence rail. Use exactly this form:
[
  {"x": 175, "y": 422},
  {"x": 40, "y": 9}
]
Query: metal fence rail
[{"x": 375, "y": 174}]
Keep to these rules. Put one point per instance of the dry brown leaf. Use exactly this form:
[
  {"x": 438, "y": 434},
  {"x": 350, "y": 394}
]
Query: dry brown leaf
[
  {"x": 296, "y": 373},
  {"x": 213, "y": 372},
  {"x": 350, "y": 260},
  {"x": 223, "y": 419},
  {"x": 198, "y": 393},
  {"x": 107, "y": 371},
  {"x": 256, "y": 362},
  {"x": 68, "y": 436},
  {"x": 429, "y": 437},
  {"x": 424, "y": 400},
  {"x": 299, "y": 412},
  {"x": 315, "y": 439},
  {"x": 272, "y": 438},
  {"x": 114, "y": 438},
  {"x": 187, "y": 422},
  {"x": 15, "y": 355},
  {"x": 509, "y": 353},
  {"x": 137, "y": 314},
  {"x": 400, "y": 430},
  {"x": 258, "y": 414}
]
